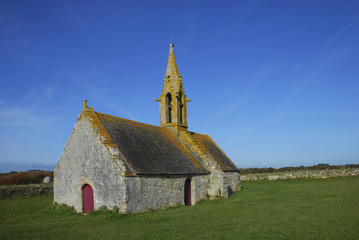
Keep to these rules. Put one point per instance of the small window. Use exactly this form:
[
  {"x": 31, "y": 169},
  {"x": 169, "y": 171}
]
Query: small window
[
  {"x": 180, "y": 108},
  {"x": 169, "y": 107}
]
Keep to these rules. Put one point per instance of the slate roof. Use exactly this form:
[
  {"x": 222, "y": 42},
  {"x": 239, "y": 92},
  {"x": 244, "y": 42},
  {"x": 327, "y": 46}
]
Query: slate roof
[
  {"x": 215, "y": 151},
  {"x": 150, "y": 149}
]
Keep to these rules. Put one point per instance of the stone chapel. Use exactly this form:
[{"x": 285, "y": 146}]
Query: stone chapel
[{"x": 128, "y": 166}]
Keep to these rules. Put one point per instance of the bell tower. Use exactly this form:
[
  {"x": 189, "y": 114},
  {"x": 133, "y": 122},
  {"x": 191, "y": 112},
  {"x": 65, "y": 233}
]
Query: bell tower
[{"x": 173, "y": 101}]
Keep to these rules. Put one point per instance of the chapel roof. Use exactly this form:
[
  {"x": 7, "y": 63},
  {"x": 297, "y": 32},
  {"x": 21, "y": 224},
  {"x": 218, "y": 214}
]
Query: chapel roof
[
  {"x": 215, "y": 151},
  {"x": 150, "y": 149}
]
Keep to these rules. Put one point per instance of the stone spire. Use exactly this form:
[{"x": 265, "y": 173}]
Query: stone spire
[
  {"x": 172, "y": 70},
  {"x": 173, "y": 101}
]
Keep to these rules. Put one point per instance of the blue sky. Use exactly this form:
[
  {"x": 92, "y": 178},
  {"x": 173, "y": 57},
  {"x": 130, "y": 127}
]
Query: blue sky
[{"x": 274, "y": 83}]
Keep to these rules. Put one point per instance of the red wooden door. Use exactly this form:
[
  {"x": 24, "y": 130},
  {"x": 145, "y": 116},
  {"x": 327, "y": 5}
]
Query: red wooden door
[
  {"x": 187, "y": 192},
  {"x": 87, "y": 199}
]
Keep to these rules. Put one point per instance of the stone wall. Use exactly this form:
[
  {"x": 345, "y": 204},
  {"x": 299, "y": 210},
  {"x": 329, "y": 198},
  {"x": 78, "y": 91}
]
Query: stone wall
[
  {"x": 86, "y": 160},
  {"x": 151, "y": 193},
  {"x": 234, "y": 183},
  {"x": 6, "y": 192},
  {"x": 301, "y": 174}
]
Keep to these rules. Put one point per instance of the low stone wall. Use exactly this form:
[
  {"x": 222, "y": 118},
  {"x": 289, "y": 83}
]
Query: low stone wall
[
  {"x": 6, "y": 192},
  {"x": 302, "y": 174}
]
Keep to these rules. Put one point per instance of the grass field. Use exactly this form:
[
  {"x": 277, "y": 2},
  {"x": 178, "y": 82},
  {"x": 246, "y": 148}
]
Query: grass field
[{"x": 290, "y": 209}]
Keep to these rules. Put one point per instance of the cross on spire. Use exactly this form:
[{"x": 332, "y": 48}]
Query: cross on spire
[{"x": 171, "y": 44}]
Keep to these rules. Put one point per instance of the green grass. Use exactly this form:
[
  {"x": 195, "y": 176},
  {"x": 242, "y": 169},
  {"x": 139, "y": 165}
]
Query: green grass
[{"x": 290, "y": 209}]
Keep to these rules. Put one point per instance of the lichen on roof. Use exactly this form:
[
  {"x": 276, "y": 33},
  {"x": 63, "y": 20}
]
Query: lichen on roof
[
  {"x": 150, "y": 149},
  {"x": 215, "y": 151}
]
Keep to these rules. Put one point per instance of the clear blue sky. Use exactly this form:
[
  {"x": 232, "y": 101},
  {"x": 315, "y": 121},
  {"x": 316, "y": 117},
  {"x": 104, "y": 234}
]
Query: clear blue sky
[{"x": 274, "y": 83}]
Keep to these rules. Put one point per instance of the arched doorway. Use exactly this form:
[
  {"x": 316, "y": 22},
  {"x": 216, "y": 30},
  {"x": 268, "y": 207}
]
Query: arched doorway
[
  {"x": 87, "y": 199},
  {"x": 187, "y": 192}
]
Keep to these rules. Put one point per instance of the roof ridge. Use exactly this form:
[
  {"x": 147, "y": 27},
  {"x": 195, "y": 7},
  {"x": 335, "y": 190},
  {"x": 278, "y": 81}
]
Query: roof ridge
[{"x": 129, "y": 120}]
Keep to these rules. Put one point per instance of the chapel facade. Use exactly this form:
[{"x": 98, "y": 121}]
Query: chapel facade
[{"x": 131, "y": 167}]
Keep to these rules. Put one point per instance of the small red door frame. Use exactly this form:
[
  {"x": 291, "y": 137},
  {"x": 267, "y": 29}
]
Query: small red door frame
[
  {"x": 87, "y": 199},
  {"x": 187, "y": 192}
]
